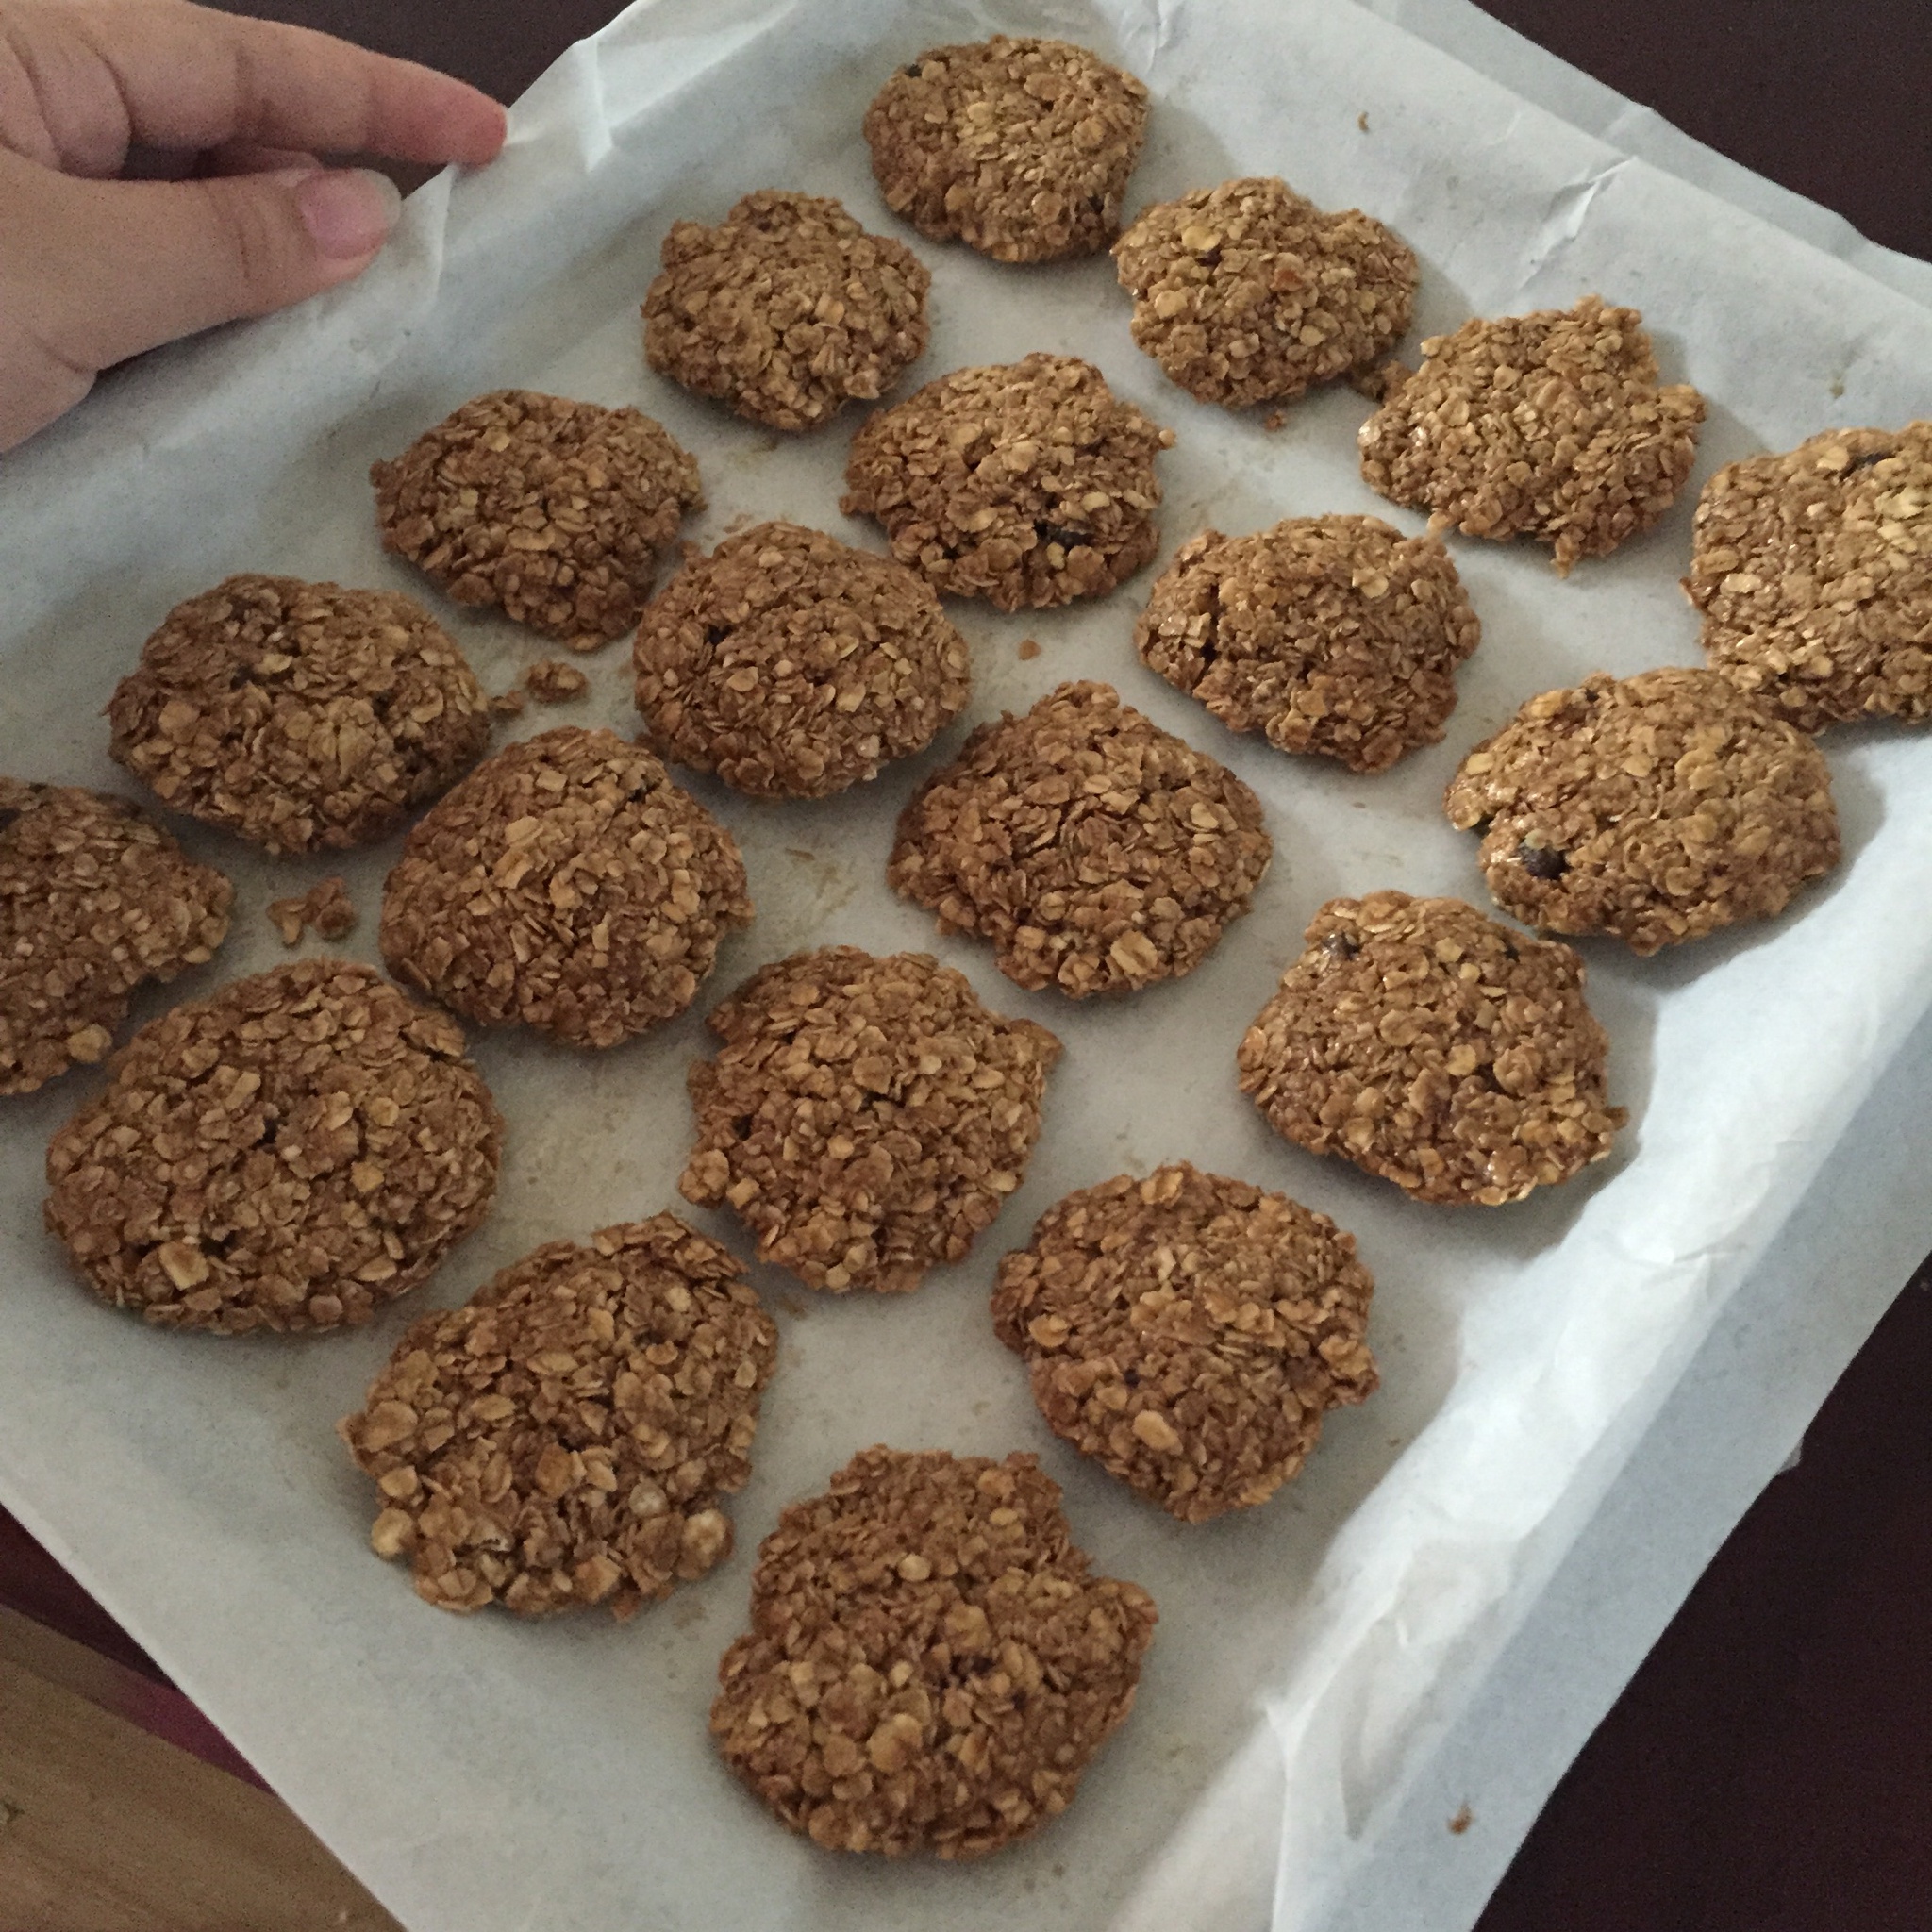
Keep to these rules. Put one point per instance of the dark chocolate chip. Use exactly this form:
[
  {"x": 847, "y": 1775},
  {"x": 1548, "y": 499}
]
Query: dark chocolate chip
[
  {"x": 1542, "y": 861},
  {"x": 913, "y": 72},
  {"x": 1058, "y": 533},
  {"x": 1337, "y": 946}
]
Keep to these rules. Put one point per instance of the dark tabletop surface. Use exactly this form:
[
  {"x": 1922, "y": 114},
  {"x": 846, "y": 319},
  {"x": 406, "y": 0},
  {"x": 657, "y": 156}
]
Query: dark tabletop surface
[{"x": 1769, "y": 1769}]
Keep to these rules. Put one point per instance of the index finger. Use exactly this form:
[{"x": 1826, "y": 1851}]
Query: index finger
[{"x": 190, "y": 77}]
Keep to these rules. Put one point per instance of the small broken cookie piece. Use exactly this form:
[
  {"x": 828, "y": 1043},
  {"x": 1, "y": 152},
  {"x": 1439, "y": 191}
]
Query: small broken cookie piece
[
  {"x": 564, "y": 1437},
  {"x": 931, "y": 1663},
  {"x": 1435, "y": 1047},
  {"x": 1336, "y": 635},
  {"x": 1656, "y": 809},
  {"x": 328, "y": 908},
  {"x": 1020, "y": 148},
  {"x": 787, "y": 310},
  {"x": 1189, "y": 1332},
  {"x": 1249, "y": 293},
  {"x": 1813, "y": 570},
  {"x": 792, "y": 665},
  {"x": 291, "y": 1154},
  {"x": 554, "y": 510},
  {"x": 567, "y": 885},
  {"x": 302, "y": 717},
  {"x": 1549, "y": 425},
  {"x": 865, "y": 1118},
  {"x": 1097, "y": 852},
  {"x": 1026, "y": 483},
  {"x": 96, "y": 900},
  {"x": 551, "y": 682}
]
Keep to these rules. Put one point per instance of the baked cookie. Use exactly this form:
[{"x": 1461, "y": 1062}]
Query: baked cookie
[
  {"x": 303, "y": 717},
  {"x": 1656, "y": 809},
  {"x": 1249, "y": 293},
  {"x": 787, "y": 310},
  {"x": 1020, "y": 148},
  {"x": 1097, "y": 852},
  {"x": 291, "y": 1154},
  {"x": 563, "y": 1438},
  {"x": 553, "y": 510},
  {"x": 1549, "y": 425},
  {"x": 1813, "y": 570},
  {"x": 1336, "y": 635},
  {"x": 792, "y": 665},
  {"x": 96, "y": 900},
  {"x": 566, "y": 885},
  {"x": 866, "y": 1118},
  {"x": 1188, "y": 1332},
  {"x": 1025, "y": 483},
  {"x": 931, "y": 1665},
  {"x": 1436, "y": 1048}
]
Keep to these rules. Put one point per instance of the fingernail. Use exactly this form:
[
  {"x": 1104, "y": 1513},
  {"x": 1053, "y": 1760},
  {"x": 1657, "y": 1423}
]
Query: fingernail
[{"x": 348, "y": 211}]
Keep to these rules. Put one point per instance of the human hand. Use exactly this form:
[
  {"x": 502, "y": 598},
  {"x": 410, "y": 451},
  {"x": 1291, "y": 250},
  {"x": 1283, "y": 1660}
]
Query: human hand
[{"x": 94, "y": 268}]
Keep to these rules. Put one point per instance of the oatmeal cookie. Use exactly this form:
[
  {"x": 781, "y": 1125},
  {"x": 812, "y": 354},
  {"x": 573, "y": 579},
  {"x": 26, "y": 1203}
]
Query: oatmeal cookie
[
  {"x": 303, "y": 717},
  {"x": 787, "y": 310},
  {"x": 1097, "y": 852},
  {"x": 1025, "y": 483},
  {"x": 552, "y": 509},
  {"x": 865, "y": 1117},
  {"x": 1336, "y": 635},
  {"x": 931, "y": 1664},
  {"x": 1249, "y": 293},
  {"x": 1656, "y": 809},
  {"x": 1436, "y": 1048},
  {"x": 96, "y": 900},
  {"x": 1550, "y": 426},
  {"x": 566, "y": 885},
  {"x": 1020, "y": 148},
  {"x": 291, "y": 1154},
  {"x": 1188, "y": 1332},
  {"x": 1813, "y": 570},
  {"x": 564, "y": 1437},
  {"x": 792, "y": 665}
]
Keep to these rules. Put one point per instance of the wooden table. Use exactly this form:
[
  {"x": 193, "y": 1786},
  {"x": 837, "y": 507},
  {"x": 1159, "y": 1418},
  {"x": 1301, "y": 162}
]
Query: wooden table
[{"x": 1768, "y": 1767}]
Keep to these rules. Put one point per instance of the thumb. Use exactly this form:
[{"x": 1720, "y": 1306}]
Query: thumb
[{"x": 138, "y": 263}]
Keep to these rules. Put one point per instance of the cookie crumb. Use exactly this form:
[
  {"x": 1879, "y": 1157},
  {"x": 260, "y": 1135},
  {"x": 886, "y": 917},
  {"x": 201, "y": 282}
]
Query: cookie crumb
[
  {"x": 564, "y": 1437},
  {"x": 1274, "y": 420},
  {"x": 1462, "y": 1821},
  {"x": 327, "y": 908},
  {"x": 510, "y": 704},
  {"x": 1361, "y": 121},
  {"x": 551, "y": 682},
  {"x": 1029, "y": 649},
  {"x": 1189, "y": 1332},
  {"x": 931, "y": 1663},
  {"x": 1020, "y": 148}
]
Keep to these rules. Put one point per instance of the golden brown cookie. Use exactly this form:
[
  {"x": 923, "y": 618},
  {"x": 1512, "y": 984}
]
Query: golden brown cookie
[
  {"x": 1025, "y": 483},
  {"x": 931, "y": 1664},
  {"x": 96, "y": 900},
  {"x": 1436, "y": 1048},
  {"x": 1097, "y": 852},
  {"x": 564, "y": 1437},
  {"x": 1813, "y": 570},
  {"x": 291, "y": 1154},
  {"x": 1549, "y": 425},
  {"x": 792, "y": 665},
  {"x": 1656, "y": 809},
  {"x": 1249, "y": 293},
  {"x": 1336, "y": 635},
  {"x": 1021, "y": 148},
  {"x": 1189, "y": 1332},
  {"x": 566, "y": 885},
  {"x": 865, "y": 1117},
  {"x": 552, "y": 509},
  {"x": 787, "y": 310},
  {"x": 303, "y": 717}
]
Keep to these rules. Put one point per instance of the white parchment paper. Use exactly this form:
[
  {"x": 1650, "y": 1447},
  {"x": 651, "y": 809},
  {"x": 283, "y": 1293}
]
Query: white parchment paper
[{"x": 482, "y": 1774}]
